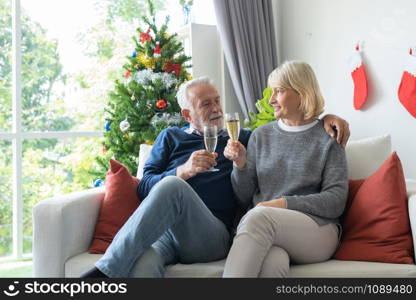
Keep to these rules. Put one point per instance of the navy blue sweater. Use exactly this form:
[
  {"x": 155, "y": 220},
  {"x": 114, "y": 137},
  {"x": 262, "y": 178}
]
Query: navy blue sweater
[{"x": 172, "y": 148}]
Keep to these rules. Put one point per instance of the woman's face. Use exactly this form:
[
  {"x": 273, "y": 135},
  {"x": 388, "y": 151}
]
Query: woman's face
[{"x": 286, "y": 103}]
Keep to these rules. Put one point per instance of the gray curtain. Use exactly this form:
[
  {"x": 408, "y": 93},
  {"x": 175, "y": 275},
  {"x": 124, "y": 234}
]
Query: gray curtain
[{"x": 247, "y": 36}]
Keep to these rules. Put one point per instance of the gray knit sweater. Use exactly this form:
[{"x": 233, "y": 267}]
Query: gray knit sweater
[{"x": 308, "y": 168}]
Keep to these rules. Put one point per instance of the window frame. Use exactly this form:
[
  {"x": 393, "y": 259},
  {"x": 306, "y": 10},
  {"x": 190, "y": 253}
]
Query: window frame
[{"x": 18, "y": 136}]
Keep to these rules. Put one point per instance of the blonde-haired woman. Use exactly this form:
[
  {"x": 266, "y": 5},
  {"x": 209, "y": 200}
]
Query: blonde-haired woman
[{"x": 294, "y": 175}]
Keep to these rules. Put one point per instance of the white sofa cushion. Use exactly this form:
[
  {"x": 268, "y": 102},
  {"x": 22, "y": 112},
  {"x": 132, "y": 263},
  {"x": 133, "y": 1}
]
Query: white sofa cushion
[
  {"x": 78, "y": 264},
  {"x": 332, "y": 268},
  {"x": 143, "y": 156},
  {"x": 347, "y": 268},
  {"x": 365, "y": 156}
]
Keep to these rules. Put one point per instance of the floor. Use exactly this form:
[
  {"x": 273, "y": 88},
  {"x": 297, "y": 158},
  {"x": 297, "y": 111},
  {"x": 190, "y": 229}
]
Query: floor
[{"x": 16, "y": 269}]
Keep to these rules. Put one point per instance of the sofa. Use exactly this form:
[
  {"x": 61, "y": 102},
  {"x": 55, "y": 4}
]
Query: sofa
[{"x": 64, "y": 226}]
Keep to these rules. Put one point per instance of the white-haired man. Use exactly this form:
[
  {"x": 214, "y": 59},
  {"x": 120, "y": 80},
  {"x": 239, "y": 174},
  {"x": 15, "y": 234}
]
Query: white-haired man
[{"x": 187, "y": 214}]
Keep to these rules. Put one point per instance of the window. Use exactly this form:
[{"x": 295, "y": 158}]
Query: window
[
  {"x": 58, "y": 62},
  {"x": 5, "y": 198},
  {"x": 202, "y": 12},
  {"x": 66, "y": 56},
  {"x": 64, "y": 84},
  {"x": 62, "y": 166},
  {"x": 5, "y": 67}
]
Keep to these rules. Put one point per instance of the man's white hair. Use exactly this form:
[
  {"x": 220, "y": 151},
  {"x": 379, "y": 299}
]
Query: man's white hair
[{"x": 182, "y": 94}]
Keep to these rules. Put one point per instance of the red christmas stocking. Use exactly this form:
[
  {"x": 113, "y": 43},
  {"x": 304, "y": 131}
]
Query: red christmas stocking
[
  {"x": 359, "y": 78},
  {"x": 407, "y": 88}
]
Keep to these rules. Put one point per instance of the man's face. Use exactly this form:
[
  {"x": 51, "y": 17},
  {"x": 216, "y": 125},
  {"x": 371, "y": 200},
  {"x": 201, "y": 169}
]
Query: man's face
[{"x": 206, "y": 107}]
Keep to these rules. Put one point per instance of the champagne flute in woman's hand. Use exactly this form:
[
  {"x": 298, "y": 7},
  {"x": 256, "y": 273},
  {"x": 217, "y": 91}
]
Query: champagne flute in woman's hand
[{"x": 210, "y": 140}]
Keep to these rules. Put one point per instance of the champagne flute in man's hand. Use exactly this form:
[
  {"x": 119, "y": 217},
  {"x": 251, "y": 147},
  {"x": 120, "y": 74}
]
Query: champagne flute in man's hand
[
  {"x": 232, "y": 120},
  {"x": 210, "y": 140}
]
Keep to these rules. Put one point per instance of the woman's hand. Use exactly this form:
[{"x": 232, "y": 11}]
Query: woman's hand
[
  {"x": 236, "y": 152},
  {"x": 279, "y": 203}
]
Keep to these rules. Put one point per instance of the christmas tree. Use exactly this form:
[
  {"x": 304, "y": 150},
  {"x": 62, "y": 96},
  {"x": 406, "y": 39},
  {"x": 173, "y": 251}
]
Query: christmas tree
[{"x": 144, "y": 102}]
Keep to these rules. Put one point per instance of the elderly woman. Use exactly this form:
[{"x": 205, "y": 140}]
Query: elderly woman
[{"x": 294, "y": 175}]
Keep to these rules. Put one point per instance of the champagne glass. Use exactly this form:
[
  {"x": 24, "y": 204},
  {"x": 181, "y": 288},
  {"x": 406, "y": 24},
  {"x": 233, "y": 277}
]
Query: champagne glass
[
  {"x": 232, "y": 120},
  {"x": 210, "y": 140}
]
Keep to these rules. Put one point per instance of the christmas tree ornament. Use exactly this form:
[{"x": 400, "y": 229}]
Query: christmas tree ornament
[
  {"x": 359, "y": 78},
  {"x": 154, "y": 77},
  {"x": 145, "y": 37},
  {"x": 173, "y": 67},
  {"x": 107, "y": 126},
  {"x": 168, "y": 80},
  {"x": 134, "y": 54},
  {"x": 143, "y": 77},
  {"x": 128, "y": 76},
  {"x": 407, "y": 87},
  {"x": 132, "y": 97},
  {"x": 175, "y": 119},
  {"x": 98, "y": 182},
  {"x": 148, "y": 62},
  {"x": 124, "y": 125},
  {"x": 156, "y": 52},
  {"x": 156, "y": 119},
  {"x": 161, "y": 104},
  {"x": 164, "y": 63}
]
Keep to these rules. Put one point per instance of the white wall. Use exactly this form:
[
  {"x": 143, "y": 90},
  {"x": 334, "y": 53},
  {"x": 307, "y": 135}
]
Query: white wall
[{"x": 324, "y": 32}]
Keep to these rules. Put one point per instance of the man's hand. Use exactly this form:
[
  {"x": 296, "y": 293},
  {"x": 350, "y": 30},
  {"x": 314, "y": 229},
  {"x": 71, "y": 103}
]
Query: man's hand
[
  {"x": 342, "y": 127},
  {"x": 198, "y": 162},
  {"x": 279, "y": 203},
  {"x": 236, "y": 152}
]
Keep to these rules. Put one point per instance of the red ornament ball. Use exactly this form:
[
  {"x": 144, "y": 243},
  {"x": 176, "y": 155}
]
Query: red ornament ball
[{"x": 161, "y": 104}]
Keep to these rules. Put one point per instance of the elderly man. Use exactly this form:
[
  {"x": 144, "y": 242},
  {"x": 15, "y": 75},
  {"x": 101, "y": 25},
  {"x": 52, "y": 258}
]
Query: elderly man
[{"x": 187, "y": 214}]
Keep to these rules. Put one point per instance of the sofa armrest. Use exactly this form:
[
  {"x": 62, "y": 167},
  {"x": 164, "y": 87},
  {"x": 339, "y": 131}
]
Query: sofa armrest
[
  {"x": 411, "y": 193},
  {"x": 63, "y": 226}
]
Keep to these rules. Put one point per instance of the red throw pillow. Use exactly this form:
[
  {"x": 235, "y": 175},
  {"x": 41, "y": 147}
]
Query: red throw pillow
[
  {"x": 376, "y": 224},
  {"x": 120, "y": 201}
]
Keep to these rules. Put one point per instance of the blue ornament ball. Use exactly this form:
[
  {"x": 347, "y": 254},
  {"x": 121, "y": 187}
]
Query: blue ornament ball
[
  {"x": 134, "y": 54},
  {"x": 98, "y": 183},
  {"x": 107, "y": 126}
]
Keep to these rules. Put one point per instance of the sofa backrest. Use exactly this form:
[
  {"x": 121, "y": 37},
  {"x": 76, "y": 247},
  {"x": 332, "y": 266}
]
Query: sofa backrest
[
  {"x": 364, "y": 156},
  {"x": 143, "y": 156}
]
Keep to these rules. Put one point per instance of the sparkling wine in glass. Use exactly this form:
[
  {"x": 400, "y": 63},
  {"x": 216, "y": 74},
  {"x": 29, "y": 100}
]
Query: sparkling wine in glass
[
  {"x": 210, "y": 140},
  {"x": 232, "y": 120}
]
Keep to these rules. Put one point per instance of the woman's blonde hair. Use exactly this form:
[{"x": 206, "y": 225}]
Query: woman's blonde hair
[{"x": 300, "y": 77}]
